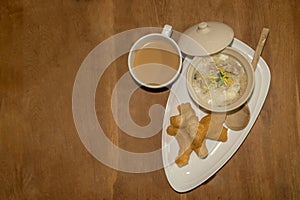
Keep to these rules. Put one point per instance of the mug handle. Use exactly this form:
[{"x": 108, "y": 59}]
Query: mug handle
[{"x": 167, "y": 30}]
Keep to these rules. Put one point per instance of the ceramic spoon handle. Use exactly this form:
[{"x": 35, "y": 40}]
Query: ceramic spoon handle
[{"x": 261, "y": 43}]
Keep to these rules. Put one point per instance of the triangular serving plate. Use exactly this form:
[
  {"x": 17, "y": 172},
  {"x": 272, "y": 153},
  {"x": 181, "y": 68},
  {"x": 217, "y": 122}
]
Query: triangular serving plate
[{"x": 199, "y": 170}]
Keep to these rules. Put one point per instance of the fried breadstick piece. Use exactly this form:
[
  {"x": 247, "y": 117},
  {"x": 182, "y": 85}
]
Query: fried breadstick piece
[
  {"x": 214, "y": 133},
  {"x": 171, "y": 130},
  {"x": 183, "y": 159},
  {"x": 200, "y": 135},
  {"x": 202, "y": 151},
  {"x": 189, "y": 133},
  {"x": 192, "y": 126},
  {"x": 177, "y": 121},
  {"x": 181, "y": 120},
  {"x": 182, "y": 108},
  {"x": 186, "y": 110},
  {"x": 184, "y": 140},
  {"x": 190, "y": 119}
]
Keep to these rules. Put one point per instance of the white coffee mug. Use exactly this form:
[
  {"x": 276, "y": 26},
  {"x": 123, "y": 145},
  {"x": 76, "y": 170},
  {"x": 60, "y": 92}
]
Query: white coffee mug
[{"x": 155, "y": 60}]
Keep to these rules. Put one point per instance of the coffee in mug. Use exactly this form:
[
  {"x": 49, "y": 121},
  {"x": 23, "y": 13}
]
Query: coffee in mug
[{"x": 155, "y": 60}]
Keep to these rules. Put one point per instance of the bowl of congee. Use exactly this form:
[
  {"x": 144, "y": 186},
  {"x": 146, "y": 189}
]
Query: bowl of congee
[{"x": 219, "y": 78}]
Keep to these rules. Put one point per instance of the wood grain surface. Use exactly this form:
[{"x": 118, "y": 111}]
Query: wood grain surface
[{"x": 42, "y": 45}]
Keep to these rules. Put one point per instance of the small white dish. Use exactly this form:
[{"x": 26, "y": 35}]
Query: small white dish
[{"x": 199, "y": 170}]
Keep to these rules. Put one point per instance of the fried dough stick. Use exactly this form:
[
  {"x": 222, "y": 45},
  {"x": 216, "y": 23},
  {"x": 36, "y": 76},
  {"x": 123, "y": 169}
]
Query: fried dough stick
[
  {"x": 184, "y": 141},
  {"x": 185, "y": 128},
  {"x": 213, "y": 130}
]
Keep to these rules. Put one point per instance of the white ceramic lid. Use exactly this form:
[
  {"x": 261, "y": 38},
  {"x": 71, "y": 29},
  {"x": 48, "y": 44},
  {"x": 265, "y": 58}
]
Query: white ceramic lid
[{"x": 205, "y": 38}]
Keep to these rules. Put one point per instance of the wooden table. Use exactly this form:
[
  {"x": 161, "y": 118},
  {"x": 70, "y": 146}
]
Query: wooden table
[{"x": 42, "y": 45}]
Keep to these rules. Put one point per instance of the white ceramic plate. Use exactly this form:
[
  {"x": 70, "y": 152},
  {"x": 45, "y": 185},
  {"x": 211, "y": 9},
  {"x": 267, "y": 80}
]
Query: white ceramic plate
[{"x": 199, "y": 170}]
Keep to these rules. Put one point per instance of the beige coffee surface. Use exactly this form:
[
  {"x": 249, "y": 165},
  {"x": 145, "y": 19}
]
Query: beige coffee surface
[{"x": 156, "y": 62}]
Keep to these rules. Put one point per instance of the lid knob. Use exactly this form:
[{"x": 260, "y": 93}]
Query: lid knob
[{"x": 202, "y": 25}]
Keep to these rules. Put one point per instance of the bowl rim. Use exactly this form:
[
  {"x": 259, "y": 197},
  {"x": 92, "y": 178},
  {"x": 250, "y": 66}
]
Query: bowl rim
[{"x": 245, "y": 62}]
